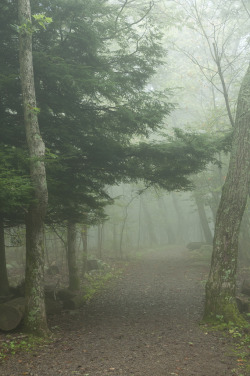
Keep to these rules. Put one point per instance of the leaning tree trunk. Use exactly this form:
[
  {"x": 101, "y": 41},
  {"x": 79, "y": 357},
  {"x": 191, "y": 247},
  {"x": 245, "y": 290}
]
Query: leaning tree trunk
[
  {"x": 220, "y": 288},
  {"x": 4, "y": 282},
  {"x": 74, "y": 281},
  {"x": 35, "y": 315}
]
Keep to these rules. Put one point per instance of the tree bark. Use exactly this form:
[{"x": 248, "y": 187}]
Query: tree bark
[
  {"x": 4, "y": 282},
  {"x": 221, "y": 285},
  {"x": 244, "y": 242},
  {"x": 74, "y": 281},
  {"x": 35, "y": 314}
]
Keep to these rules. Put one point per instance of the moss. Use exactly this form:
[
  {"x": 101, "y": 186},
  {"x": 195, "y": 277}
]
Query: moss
[{"x": 226, "y": 312}]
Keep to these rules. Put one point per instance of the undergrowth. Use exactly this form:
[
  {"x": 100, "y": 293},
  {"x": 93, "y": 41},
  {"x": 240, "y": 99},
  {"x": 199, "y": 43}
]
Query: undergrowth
[
  {"x": 97, "y": 281},
  {"x": 13, "y": 344},
  {"x": 240, "y": 336}
]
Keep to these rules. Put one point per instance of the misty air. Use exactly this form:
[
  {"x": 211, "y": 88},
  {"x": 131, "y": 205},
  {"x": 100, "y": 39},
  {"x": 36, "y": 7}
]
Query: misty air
[{"x": 124, "y": 184}]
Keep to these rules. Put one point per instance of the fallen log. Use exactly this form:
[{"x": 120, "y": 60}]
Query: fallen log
[{"x": 11, "y": 314}]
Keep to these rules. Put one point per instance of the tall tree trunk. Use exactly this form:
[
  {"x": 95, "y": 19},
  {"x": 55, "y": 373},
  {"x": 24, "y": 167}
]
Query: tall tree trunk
[
  {"x": 221, "y": 285},
  {"x": 85, "y": 249},
  {"x": 35, "y": 315},
  {"x": 4, "y": 282},
  {"x": 74, "y": 280},
  {"x": 181, "y": 224},
  {"x": 203, "y": 219},
  {"x": 99, "y": 240},
  {"x": 139, "y": 225},
  {"x": 150, "y": 226},
  {"x": 169, "y": 228},
  {"x": 115, "y": 240},
  {"x": 244, "y": 242}
]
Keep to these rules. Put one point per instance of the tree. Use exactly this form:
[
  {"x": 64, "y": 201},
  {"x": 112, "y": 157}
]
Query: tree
[
  {"x": 221, "y": 285},
  {"x": 74, "y": 280},
  {"x": 203, "y": 219},
  {"x": 35, "y": 315}
]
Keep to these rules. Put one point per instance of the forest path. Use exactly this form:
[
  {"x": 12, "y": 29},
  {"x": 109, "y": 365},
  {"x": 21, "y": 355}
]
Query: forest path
[{"x": 143, "y": 324}]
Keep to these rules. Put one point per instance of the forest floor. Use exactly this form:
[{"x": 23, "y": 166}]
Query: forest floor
[{"x": 143, "y": 323}]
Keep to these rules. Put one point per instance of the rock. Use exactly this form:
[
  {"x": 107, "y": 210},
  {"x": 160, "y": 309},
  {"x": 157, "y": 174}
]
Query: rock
[
  {"x": 243, "y": 303},
  {"x": 195, "y": 245},
  {"x": 92, "y": 265},
  {"x": 65, "y": 294},
  {"x": 74, "y": 303},
  {"x": 19, "y": 290},
  {"x": 245, "y": 289}
]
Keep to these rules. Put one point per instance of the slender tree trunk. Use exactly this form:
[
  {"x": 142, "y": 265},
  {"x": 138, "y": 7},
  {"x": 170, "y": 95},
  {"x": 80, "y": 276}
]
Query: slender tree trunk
[
  {"x": 181, "y": 222},
  {"x": 85, "y": 249},
  {"x": 203, "y": 219},
  {"x": 150, "y": 226},
  {"x": 4, "y": 282},
  {"x": 169, "y": 228},
  {"x": 74, "y": 281},
  {"x": 220, "y": 288},
  {"x": 35, "y": 315},
  {"x": 139, "y": 225},
  {"x": 115, "y": 240},
  {"x": 99, "y": 240}
]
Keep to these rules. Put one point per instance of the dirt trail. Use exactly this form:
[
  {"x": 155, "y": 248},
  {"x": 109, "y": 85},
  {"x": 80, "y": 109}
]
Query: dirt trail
[{"x": 143, "y": 324}]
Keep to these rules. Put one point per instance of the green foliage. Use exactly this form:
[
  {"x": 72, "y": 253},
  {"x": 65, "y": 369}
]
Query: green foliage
[
  {"x": 170, "y": 164},
  {"x": 97, "y": 281},
  {"x": 15, "y": 344},
  {"x": 15, "y": 186},
  {"x": 241, "y": 339},
  {"x": 42, "y": 20},
  {"x": 92, "y": 69}
]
